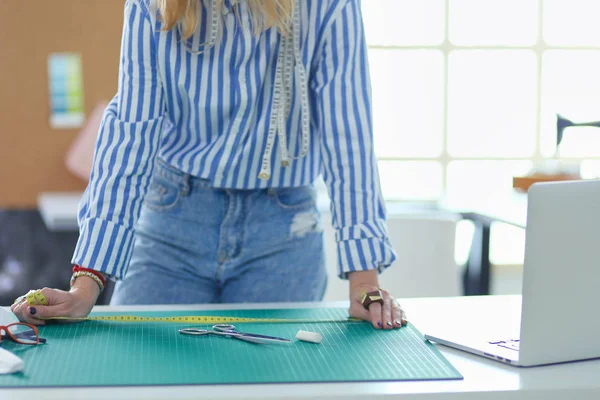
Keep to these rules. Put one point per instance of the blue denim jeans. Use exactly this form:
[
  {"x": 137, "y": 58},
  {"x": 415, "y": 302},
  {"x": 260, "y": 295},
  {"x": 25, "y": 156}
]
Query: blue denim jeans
[{"x": 197, "y": 244}]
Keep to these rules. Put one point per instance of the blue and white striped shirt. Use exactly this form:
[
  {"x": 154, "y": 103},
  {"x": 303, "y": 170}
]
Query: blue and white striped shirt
[{"x": 209, "y": 115}]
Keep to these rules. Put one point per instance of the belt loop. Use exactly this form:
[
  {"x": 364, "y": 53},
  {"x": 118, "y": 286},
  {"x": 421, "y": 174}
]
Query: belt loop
[{"x": 187, "y": 185}]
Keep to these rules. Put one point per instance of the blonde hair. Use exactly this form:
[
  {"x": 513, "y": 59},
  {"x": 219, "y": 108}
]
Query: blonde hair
[{"x": 265, "y": 14}]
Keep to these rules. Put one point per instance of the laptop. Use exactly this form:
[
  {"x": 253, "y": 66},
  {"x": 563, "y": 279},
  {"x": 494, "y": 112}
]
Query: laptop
[{"x": 557, "y": 318}]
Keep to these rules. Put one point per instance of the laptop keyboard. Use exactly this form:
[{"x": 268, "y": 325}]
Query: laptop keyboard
[{"x": 512, "y": 344}]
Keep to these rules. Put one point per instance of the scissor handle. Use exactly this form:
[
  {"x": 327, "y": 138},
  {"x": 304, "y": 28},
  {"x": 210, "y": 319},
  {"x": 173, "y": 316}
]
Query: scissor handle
[
  {"x": 225, "y": 328},
  {"x": 194, "y": 331}
]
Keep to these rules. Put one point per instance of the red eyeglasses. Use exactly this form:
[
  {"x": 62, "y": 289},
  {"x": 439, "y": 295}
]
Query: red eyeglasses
[{"x": 22, "y": 333}]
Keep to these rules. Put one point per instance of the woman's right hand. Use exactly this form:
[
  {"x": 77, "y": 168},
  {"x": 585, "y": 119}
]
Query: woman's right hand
[{"x": 76, "y": 303}]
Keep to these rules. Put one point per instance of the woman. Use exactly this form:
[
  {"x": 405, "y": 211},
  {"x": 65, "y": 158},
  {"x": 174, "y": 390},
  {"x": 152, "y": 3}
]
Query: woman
[{"x": 227, "y": 112}]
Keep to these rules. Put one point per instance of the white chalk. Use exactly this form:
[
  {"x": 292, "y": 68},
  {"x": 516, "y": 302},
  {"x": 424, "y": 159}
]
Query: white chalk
[{"x": 312, "y": 337}]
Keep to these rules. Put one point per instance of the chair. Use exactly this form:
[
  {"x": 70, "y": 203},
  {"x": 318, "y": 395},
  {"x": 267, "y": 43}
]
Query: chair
[{"x": 425, "y": 266}]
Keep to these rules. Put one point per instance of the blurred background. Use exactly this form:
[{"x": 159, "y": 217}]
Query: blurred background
[{"x": 468, "y": 96}]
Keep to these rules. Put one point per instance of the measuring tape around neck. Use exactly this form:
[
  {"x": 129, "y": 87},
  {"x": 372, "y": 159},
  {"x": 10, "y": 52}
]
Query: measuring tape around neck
[{"x": 35, "y": 297}]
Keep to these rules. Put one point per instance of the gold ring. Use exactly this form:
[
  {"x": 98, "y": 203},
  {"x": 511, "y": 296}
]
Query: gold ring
[{"x": 369, "y": 298}]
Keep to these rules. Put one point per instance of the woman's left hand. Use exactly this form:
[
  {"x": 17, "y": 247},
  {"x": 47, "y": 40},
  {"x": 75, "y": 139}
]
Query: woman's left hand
[{"x": 388, "y": 316}]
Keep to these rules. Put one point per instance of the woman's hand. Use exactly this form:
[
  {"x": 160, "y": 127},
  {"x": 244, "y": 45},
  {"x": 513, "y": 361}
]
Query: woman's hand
[
  {"x": 76, "y": 303},
  {"x": 388, "y": 316}
]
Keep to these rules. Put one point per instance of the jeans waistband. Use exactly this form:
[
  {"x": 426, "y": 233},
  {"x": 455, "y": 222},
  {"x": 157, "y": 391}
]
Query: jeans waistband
[
  {"x": 187, "y": 181},
  {"x": 177, "y": 176}
]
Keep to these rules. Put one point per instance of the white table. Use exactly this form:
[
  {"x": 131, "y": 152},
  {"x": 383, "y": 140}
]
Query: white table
[
  {"x": 483, "y": 379},
  {"x": 507, "y": 206},
  {"x": 59, "y": 210}
]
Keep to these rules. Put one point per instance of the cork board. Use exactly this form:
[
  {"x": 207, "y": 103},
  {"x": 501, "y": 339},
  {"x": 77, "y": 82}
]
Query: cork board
[{"x": 32, "y": 154}]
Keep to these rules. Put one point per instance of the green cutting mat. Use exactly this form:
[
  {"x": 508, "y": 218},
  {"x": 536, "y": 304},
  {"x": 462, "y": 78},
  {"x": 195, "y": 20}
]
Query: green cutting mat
[{"x": 95, "y": 353}]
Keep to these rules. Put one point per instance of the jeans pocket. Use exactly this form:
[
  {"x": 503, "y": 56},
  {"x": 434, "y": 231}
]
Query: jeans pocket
[
  {"x": 162, "y": 194},
  {"x": 295, "y": 198}
]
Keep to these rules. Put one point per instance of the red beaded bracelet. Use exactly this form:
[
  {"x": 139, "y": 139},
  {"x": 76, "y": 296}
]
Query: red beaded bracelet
[{"x": 77, "y": 268}]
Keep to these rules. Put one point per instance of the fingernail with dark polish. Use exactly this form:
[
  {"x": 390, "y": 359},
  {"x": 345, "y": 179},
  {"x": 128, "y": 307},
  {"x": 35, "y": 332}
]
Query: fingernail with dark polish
[
  {"x": 398, "y": 322},
  {"x": 32, "y": 310},
  {"x": 389, "y": 323},
  {"x": 379, "y": 324}
]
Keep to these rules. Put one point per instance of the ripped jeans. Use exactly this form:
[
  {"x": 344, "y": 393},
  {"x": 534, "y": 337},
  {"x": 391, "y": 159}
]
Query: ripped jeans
[{"x": 197, "y": 244}]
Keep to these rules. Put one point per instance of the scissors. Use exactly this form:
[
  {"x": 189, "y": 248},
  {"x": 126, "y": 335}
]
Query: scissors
[{"x": 230, "y": 331}]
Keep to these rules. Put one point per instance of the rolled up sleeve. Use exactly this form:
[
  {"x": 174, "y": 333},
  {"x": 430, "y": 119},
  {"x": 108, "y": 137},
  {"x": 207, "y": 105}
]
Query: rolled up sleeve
[
  {"x": 127, "y": 144},
  {"x": 341, "y": 92}
]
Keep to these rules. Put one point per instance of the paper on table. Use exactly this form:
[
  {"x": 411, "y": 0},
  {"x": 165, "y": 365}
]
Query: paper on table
[{"x": 9, "y": 363}]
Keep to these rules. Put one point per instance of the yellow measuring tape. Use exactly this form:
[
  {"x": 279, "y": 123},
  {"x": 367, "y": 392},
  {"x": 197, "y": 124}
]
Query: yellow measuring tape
[
  {"x": 203, "y": 320},
  {"x": 35, "y": 297}
]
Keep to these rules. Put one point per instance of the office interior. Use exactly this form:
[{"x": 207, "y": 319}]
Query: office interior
[{"x": 472, "y": 102}]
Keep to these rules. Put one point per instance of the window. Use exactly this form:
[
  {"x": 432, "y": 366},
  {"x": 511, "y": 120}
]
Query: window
[{"x": 466, "y": 92}]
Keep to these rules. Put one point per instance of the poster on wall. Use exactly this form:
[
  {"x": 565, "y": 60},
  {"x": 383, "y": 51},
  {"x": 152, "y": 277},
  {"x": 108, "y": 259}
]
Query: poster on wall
[{"x": 65, "y": 78}]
